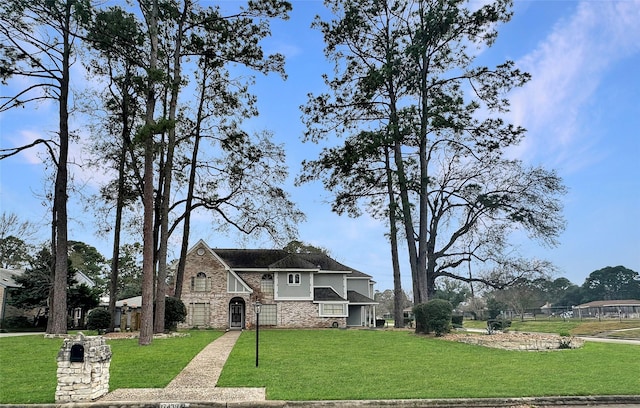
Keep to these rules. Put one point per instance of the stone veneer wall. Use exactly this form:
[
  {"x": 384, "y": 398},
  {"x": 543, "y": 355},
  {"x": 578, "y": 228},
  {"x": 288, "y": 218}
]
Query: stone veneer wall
[
  {"x": 86, "y": 380},
  {"x": 216, "y": 298}
]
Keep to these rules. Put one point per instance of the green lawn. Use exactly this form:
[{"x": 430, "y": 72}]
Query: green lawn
[
  {"x": 28, "y": 364},
  {"x": 340, "y": 364},
  {"x": 363, "y": 364}
]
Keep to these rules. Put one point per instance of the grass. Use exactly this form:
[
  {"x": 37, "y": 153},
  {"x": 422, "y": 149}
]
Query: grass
[
  {"x": 28, "y": 364},
  {"x": 340, "y": 364},
  {"x": 362, "y": 364},
  {"x": 28, "y": 369},
  {"x": 559, "y": 326}
]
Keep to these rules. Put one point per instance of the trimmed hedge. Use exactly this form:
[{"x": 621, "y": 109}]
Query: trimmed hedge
[
  {"x": 174, "y": 312},
  {"x": 434, "y": 316}
]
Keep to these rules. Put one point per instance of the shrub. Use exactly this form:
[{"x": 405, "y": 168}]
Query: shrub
[
  {"x": 434, "y": 316},
  {"x": 499, "y": 324},
  {"x": 174, "y": 311},
  {"x": 457, "y": 320},
  {"x": 98, "y": 319},
  {"x": 16, "y": 322}
]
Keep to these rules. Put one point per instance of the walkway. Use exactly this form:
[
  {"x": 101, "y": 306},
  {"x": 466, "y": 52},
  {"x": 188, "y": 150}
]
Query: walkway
[{"x": 197, "y": 381}]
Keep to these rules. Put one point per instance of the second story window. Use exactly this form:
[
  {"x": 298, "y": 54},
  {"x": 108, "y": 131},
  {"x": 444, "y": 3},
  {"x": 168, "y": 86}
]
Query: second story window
[
  {"x": 266, "y": 284},
  {"x": 200, "y": 283},
  {"x": 293, "y": 279}
]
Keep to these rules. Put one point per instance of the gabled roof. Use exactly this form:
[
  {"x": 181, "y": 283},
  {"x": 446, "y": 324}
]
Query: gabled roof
[
  {"x": 324, "y": 262},
  {"x": 260, "y": 259},
  {"x": 279, "y": 259},
  {"x": 84, "y": 279},
  {"x": 356, "y": 297},
  {"x": 326, "y": 294},
  {"x": 293, "y": 261},
  {"x": 7, "y": 277}
]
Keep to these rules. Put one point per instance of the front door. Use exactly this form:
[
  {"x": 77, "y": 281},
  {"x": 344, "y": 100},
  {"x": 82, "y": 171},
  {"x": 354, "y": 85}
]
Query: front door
[{"x": 236, "y": 314}]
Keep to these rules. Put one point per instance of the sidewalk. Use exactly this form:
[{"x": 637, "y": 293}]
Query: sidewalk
[{"x": 197, "y": 381}]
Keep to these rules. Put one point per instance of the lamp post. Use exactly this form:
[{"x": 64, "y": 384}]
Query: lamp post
[{"x": 257, "y": 304}]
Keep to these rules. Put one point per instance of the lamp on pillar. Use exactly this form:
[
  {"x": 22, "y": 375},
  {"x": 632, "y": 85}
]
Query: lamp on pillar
[{"x": 257, "y": 305}]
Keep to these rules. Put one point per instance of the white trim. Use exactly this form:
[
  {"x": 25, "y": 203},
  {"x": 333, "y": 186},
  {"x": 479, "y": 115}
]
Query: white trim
[
  {"x": 294, "y": 299},
  {"x": 331, "y": 272},
  {"x": 345, "y": 309},
  {"x": 239, "y": 279}
]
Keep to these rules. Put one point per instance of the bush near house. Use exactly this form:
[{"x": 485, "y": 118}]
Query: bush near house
[
  {"x": 174, "y": 312},
  {"x": 98, "y": 319},
  {"x": 434, "y": 316}
]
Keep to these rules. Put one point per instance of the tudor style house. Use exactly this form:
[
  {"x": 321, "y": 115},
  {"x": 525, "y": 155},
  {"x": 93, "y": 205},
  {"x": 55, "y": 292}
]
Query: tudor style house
[{"x": 222, "y": 286}]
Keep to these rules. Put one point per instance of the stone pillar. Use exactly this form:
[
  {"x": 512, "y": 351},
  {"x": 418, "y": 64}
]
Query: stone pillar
[{"x": 83, "y": 369}]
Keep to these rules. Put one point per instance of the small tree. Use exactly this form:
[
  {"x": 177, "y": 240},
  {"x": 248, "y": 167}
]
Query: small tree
[
  {"x": 174, "y": 311},
  {"x": 495, "y": 307},
  {"x": 434, "y": 316}
]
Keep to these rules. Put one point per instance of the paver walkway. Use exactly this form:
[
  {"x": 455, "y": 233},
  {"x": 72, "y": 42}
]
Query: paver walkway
[{"x": 197, "y": 381}]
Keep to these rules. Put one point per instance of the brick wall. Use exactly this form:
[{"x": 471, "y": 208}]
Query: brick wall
[{"x": 300, "y": 314}]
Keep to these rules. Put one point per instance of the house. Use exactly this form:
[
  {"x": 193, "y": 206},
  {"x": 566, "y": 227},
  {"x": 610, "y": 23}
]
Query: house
[
  {"x": 629, "y": 308},
  {"x": 37, "y": 314},
  {"x": 7, "y": 283},
  {"x": 222, "y": 286}
]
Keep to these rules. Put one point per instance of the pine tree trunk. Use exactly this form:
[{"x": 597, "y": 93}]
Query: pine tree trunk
[{"x": 148, "y": 262}]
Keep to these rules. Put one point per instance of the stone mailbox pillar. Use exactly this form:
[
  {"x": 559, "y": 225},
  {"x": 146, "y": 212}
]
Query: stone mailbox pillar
[{"x": 83, "y": 369}]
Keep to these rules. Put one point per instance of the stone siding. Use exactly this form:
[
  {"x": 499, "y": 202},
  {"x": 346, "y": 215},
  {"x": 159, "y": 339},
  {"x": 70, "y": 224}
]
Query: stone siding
[
  {"x": 215, "y": 299},
  {"x": 85, "y": 380}
]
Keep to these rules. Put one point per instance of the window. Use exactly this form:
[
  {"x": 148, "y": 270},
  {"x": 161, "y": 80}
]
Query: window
[
  {"x": 332, "y": 309},
  {"x": 266, "y": 284},
  {"x": 293, "y": 279},
  {"x": 235, "y": 284},
  {"x": 200, "y": 283},
  {"x": 268, "y": 315},
  {"x": 199, "y": 314}
]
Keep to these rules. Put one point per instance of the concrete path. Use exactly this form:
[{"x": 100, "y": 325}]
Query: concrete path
[{"x": 197, "y": 381}]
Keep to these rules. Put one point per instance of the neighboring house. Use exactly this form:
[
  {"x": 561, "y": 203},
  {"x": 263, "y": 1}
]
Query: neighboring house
[
  {"x": 77, "y": 314},
  {"x": 629, "y": 308},
  {"x": 222, "y": 286},
  {"x": 7, "y": 282},
  {"x": 128, "y": 313}
]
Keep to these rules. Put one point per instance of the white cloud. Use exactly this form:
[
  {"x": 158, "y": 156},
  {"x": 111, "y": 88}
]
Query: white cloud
[{"x": 567, "y": 70}]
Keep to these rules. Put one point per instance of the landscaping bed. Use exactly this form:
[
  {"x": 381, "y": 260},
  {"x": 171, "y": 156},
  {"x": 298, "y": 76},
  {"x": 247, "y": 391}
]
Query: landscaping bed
[{"x": 518, "y": 341}]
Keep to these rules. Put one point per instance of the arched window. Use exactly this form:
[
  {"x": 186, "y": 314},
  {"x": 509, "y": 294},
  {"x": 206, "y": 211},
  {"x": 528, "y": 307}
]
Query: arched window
[
  {"x": 293, "y": 279},
  {"x": 266, "y": 284},
  {"x": 200, "y": 283}
]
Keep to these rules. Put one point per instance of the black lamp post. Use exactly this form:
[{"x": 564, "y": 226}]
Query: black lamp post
[{"x": 258, "y": 304}]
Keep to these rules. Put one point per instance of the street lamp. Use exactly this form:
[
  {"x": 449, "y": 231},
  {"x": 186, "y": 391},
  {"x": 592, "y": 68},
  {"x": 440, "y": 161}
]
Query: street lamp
[{"x": 257, "y": 305}]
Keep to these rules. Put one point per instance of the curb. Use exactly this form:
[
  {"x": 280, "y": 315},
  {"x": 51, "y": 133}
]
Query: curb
[{"x": 627, "y": 401}]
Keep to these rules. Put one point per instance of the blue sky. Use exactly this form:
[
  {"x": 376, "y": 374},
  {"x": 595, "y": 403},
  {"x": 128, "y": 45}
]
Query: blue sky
[{"x": 581, "y": 109}]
